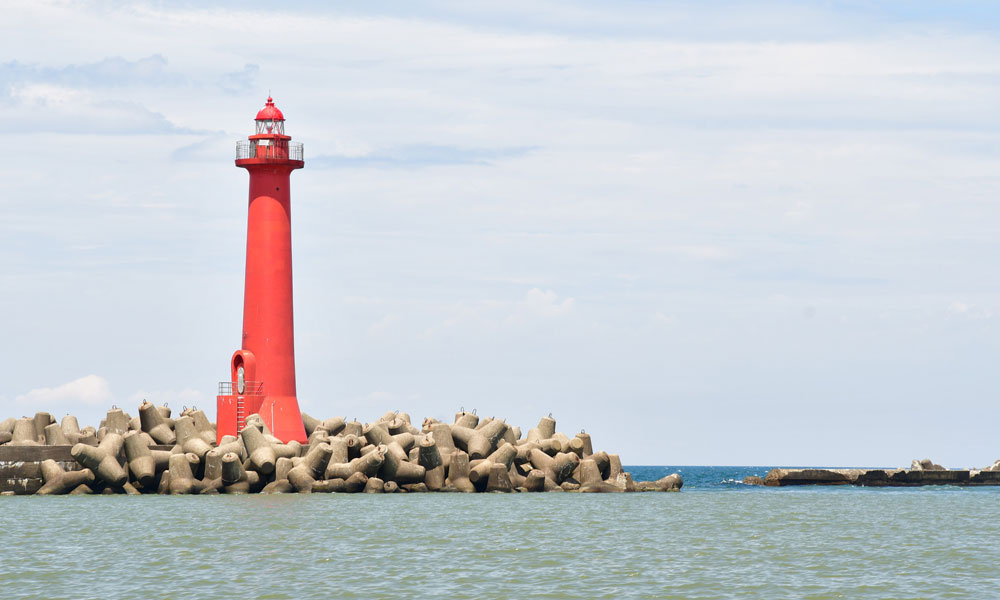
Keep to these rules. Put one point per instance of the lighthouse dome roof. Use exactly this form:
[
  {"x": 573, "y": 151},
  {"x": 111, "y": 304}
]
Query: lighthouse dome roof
[{"x": 270, "y": 112}]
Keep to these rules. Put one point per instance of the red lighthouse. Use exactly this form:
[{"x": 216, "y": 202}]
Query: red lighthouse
[{"x": 262, "y": 372}]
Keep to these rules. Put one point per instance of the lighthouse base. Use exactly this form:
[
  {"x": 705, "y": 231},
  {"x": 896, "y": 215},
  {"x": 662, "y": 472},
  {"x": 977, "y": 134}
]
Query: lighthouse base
[{"x": 280, "y": 414}]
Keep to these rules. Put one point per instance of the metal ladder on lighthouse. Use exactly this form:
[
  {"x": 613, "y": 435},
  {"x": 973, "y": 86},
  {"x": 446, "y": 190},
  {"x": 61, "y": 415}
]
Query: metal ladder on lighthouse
[{"x": 241, "y": 415}]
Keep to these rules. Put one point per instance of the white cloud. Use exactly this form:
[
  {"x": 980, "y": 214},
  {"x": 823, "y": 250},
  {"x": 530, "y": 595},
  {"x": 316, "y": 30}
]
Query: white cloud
[
  {"x": 48, "y": 108},
  {"x": 92, "y": 390},
  {"x": 541, "y": 304},
  {"x": 704, "y": 252},
  {"x": 387, "y": 322},
  {"x": 110, "y": 72},
  {"x": 969, "y": 311},
  {"x": 465, "y": 315},
  {"x": 535, "y": 306},
  {"x": 664, "y": 320},
  {"x": 44, "y": 95}
]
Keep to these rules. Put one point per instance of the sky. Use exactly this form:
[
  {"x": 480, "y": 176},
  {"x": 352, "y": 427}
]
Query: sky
[{"x": 704, "y": 232}]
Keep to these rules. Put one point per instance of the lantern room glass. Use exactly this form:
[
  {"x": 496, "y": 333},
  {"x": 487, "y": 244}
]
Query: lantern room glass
[{"x": 270, "y": 126}]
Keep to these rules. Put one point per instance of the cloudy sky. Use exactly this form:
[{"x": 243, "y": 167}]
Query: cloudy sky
[{"x": 707, "y": 233}]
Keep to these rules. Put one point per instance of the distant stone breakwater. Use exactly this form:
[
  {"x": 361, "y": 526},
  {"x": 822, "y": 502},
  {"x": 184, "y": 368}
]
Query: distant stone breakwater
[
  {"x": 921, "y": 473},
  {"x": 155, "y": 453}
]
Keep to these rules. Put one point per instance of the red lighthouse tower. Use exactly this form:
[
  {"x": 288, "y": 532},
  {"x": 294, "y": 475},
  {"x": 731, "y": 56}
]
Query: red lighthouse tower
[{"x": 262, "y": 372}]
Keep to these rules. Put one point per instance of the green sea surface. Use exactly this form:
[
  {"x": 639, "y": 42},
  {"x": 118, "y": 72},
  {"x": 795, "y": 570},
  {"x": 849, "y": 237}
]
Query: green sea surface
[{"x": 740, "y": 542}]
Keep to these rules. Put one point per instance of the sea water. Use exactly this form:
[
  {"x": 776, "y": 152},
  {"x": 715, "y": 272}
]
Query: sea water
[{"x": 715, "y": 539}]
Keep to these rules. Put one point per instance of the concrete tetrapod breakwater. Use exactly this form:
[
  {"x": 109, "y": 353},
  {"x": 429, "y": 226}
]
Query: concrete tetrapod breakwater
[{"x": 155, "y": 453}]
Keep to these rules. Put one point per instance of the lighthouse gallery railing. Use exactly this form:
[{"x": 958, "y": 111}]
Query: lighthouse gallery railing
[
  {"x": 247, "y": 149},
  {"x": 250, "y": 388}
]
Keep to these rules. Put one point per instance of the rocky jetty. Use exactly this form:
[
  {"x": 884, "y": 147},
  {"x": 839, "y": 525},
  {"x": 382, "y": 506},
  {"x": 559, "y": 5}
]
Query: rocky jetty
[
  {"x": 925, "y": 465},
  {"x": 157, "y": 453},
  {"x": 921, "y": 473},
  {"x": 994, "y": 467}
]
